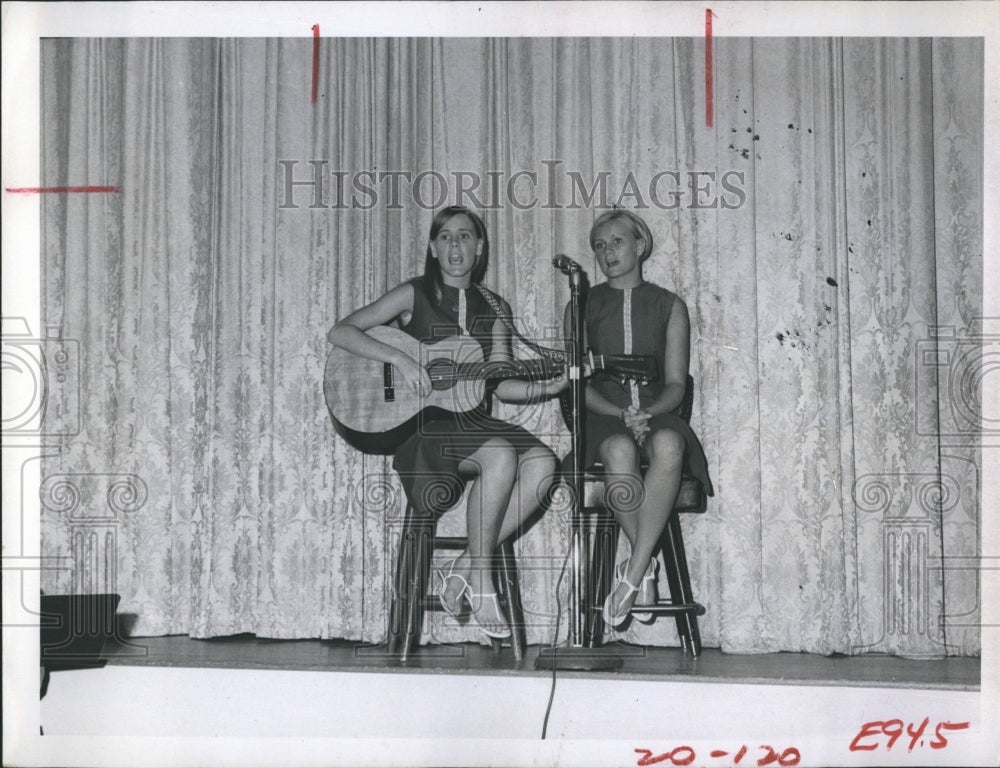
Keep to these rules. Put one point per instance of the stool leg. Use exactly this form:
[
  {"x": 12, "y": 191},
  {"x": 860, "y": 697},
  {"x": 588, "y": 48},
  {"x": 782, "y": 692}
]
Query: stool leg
[
  {"x": 679, "y": 579},
  {"x": 398, "y": 612},
  {"x": 682, "y": 570},
  {"x": 423, "y": 535},
  {"x": 601, "y": 576},
  {"x": 510, "y": 593},
  {"x": 495, "y": 568},
  {"x": 672, "y": 568}
]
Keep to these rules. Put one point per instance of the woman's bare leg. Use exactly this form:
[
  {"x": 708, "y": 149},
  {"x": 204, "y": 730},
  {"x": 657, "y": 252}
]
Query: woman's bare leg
[
  {"x": 494, "y": 465},
  {"x": 665, "y": 449}
]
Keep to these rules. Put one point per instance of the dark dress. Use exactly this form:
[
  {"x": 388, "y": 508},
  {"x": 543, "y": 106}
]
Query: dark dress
[
  {"x": 427, "y": 461},
  {"x": 634, "y": 321}
]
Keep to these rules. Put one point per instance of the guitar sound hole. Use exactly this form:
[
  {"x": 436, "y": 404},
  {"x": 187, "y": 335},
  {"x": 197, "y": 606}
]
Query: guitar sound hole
[{"x": 442, "y": 373}]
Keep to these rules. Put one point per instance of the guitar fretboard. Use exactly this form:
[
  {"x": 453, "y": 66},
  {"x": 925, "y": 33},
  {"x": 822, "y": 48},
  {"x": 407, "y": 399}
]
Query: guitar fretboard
[{"x": 448, "y": 371}]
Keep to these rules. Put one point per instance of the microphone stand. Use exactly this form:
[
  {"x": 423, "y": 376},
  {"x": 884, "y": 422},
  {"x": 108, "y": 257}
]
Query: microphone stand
[{"x": 576, "y": 656}]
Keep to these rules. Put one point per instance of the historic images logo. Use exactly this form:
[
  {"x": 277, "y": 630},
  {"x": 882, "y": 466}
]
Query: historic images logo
[
  {"x": 549, "y": 188},
  {"x": 43, "y": 398},
  {"x": 952, "y": 366}
]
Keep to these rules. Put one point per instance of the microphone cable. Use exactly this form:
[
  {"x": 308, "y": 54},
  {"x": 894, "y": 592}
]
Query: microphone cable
[{"x": 555, "y": 640}]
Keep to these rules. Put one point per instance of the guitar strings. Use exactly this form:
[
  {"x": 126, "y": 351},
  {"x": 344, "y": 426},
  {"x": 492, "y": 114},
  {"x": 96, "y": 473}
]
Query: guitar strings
[{"x": 474, "y": 371}]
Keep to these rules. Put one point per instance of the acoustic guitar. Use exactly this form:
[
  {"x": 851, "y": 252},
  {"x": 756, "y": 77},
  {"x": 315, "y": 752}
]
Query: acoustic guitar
[{"x": 374, "y": 410}]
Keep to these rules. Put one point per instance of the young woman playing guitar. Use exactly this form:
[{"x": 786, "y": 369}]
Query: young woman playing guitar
[{"x": 511, "y": 468}]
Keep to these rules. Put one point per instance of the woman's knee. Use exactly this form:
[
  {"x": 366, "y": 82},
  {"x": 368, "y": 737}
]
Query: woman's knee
[
  {"x": 618, "y": 452},
  {"x": 538, "y": 462},
  {"x": 666, "y": 448},
  {"x": 536, "y": 471},
  {"x": 498, "y": 457}
]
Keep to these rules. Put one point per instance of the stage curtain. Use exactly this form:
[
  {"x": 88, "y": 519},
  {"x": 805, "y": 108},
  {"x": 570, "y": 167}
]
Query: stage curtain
[{"x": 825, "y": 232}]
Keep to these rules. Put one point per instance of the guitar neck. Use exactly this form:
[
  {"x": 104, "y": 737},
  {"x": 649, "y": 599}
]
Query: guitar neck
[
  {"x": 529, "y": 370},
  {"x": 628, "y": 366}
]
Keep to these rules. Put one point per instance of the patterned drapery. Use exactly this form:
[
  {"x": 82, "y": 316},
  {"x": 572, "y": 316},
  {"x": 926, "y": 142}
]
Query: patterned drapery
[{"x": 826, "y": 234}]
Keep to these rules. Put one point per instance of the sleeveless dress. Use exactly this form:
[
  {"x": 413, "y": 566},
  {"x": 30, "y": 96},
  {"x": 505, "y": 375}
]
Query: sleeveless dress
[
  {"x": 634, "y": 321},
  {"x": 427, "y": 461}
]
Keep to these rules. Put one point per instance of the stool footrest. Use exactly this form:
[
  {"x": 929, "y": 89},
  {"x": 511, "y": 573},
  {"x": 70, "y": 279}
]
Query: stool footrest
[
  {"x": 430, "y": 603},
  {"x": 671, "y": 609},
  {"x": 663, "y": 608},
  {"x": 450, "y": 542}
]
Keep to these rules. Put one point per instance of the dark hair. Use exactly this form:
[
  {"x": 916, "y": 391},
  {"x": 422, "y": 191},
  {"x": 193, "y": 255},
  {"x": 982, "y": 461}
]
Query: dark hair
[
  {"x": 432, "y": 267},
  {"x": 636, "y": 224}
]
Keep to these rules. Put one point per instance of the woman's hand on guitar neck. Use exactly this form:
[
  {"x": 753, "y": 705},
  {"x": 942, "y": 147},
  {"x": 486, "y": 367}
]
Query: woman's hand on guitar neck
[{"x": 558, "y": 384}]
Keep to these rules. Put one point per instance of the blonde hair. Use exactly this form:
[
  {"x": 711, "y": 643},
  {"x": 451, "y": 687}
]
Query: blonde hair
[{"x": 636, "y": 224}]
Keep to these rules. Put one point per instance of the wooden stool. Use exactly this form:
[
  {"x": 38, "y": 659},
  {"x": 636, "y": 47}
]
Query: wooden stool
[
  {"x": 410, "y": 599},
  {"x": 691, "y": 497},
  {"x": 681, "y": 604}
]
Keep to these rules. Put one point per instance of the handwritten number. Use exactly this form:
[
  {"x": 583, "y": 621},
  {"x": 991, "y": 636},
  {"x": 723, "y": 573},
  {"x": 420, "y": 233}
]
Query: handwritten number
[
  {"x": 770, "y": 757},
  {"x": 790, "y": 756},
  {"x": 648, "y": 758},
  {"x": 893, "y": 729},
  {"x": 868, "y": 729},
  {"x": 685, "y": 760},
  {"x": 914, "y": 735},
  {"x": 940, "y": 741},
  {"x": 685, "y": 755}
]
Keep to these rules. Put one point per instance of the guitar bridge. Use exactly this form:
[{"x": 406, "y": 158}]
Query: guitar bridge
[{"x": 388, "y": 390}]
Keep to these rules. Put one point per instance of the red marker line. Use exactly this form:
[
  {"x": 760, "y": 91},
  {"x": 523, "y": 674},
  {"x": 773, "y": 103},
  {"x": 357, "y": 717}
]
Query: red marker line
[
  {"x": 708, "y": 67},
  {"x": 59, "y": 190},
  {"x": 315, "y": 81}
]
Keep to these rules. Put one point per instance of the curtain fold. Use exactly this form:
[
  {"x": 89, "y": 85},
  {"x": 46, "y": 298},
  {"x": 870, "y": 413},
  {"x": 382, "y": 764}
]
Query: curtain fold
[{"x": 826, "y": 235}]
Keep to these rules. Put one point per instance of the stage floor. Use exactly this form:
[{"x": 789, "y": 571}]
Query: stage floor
[
  {"x": 324, "y": 702},
  {"x": 639, "y": 663}
]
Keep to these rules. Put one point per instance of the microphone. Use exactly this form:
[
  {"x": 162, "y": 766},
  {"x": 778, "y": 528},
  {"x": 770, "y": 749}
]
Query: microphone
[{"x": 565, "y": 263}]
